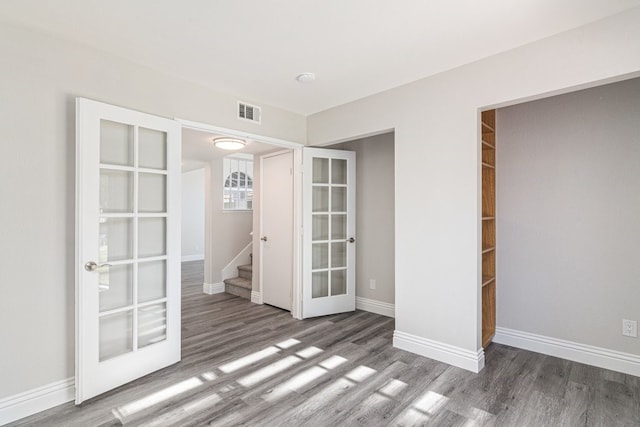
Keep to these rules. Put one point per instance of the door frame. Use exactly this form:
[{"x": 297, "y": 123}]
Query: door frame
[{"x": 296, "y": 303}]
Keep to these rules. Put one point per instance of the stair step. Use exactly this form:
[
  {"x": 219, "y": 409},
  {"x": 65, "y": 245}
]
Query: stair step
[
  {"x": 245, "y": 271},
  {"x": 240, "y": 282},
  {"x": 238, "y": 286}
]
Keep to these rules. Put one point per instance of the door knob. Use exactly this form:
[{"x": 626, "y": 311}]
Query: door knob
[
  {"x": 92, "y": 266},
  {"x": 351, "y": 240},
  {"x": 263, "y": 238}
]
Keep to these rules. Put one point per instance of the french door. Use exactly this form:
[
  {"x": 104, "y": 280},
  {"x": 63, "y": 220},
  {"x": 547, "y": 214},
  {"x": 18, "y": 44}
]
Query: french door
[
  {"x": 127, "y": 246},
  {"x": 329, "y": 222}
]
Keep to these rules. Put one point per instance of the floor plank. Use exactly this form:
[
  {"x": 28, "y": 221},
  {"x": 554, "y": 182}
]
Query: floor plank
[{"x": 248, "y": 364}]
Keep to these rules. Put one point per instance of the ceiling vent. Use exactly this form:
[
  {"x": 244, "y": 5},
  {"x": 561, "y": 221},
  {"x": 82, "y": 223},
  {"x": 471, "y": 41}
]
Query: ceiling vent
[{"x": 248, "y": 112}]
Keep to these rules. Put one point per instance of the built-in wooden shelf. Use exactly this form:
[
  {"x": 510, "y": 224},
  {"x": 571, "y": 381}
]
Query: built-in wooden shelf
[
  {"x": 486, "y": 144},
  {"x": 488, "y": 126},
  {"x": 487, "y": 279},
  {"x": 488, "y": 247}
]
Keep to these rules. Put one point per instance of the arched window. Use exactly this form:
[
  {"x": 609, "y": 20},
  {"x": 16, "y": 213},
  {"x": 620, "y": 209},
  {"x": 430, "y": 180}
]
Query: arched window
[
  {"x": 238, "y": 179},
  {"x": 238, "y": 183}
]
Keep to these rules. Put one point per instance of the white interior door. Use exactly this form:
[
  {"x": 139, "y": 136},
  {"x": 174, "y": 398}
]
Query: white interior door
[
  {"x": 329, "y": 224},
  {"x": 127, "y": 246},
  {"x": 276, "y": 201}
]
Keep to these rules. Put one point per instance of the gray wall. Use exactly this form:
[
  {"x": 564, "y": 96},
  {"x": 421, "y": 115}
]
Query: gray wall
[
  {"x": 227, "y": 233},
  {"x": 438, "y": 174},
  {"x": 193, "y": 214},
  {"x": 41, "y": 77},
  {"x": 568, "y": 209},
  {"x": 375, "y": 252}
]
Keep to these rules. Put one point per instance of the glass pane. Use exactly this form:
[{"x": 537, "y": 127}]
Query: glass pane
[
  {"x": 338, "y": 282},
  {"x": 320, "y": 255},
  {"x": 320, "y": 201},
  {"x": 115, "y": 286},
  {"x": 320, "y": 224},
  {"x": 116, "y": 335},
  {"x": 152, "y": 196},
  {"x": 116, "y": 143},
  {"x": 319, "y": 284},
  {"x": 338, "y": 199},
  {"x": 152, "y": 279},
  {"x": 338, "y": 171},
  {"x": 338, "y": 254},
  {"x": 115, "y": 240},
  {"x": 338, "y": 227},
  {"x": 151, "y": 237},
  {"x": 116, "y": 191},
  {"x": 320, "y": 171},
  {"x": 152, "y": 149},
  {"x": 152, "y": 324}
]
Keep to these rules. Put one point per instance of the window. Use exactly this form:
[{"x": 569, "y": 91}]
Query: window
[{"x": 237, "y": 178}]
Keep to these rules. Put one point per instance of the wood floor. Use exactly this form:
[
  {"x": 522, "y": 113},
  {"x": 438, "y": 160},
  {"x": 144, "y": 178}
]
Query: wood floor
[{"x": 248, "y": 364}]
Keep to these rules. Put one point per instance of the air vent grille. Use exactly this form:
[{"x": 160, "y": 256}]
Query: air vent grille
[{"x": 248, "y": 112}]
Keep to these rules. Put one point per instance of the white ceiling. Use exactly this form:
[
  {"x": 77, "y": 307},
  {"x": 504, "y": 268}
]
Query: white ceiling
[{"x": 255, "y": 48}]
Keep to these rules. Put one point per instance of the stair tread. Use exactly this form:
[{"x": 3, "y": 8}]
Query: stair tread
[
  {"x": 238, "y": 281},
  {"x": 247, "y": 267}
]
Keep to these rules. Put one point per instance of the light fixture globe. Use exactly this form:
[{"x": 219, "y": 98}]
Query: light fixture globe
[{"x": 226, "y": 143}]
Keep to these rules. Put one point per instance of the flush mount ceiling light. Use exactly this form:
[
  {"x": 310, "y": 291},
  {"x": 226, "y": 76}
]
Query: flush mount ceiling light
[
  {"x": 227, "y": 143},
  {"x": 305, "y": 77}
]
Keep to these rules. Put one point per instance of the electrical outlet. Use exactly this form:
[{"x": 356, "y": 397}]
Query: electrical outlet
[
  {"x": 372, "y": 283},
  {"x": 630, "y": 328}
]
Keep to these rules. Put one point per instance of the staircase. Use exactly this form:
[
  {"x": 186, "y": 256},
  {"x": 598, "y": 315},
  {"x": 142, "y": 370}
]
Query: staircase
[{"x": 241, "y": 285}]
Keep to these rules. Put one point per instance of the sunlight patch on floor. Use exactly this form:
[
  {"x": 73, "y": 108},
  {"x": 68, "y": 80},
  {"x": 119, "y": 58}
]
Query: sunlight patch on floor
[
  {"x": 227, "y": 368},
  {"x": 424, "y": 408},
  {"x": 333, "y": 362},
  {"x": 209, "y": 376},
  {"x": 393, "y": 387},
  {"x": 309, "y": 352},
  {"x": 178, "y": 415},
  {"x": 430, "y": 402},
  {"x": 288, "y": 343},
  {"x": 305, "y": 377},
  {"x": 360, "y": 373},
  {"x": 269, "y": 371},
  {"x": 124, "y": 411}
]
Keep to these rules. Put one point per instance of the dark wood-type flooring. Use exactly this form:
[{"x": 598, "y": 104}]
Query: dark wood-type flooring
[{"x": 248, "y": 364}]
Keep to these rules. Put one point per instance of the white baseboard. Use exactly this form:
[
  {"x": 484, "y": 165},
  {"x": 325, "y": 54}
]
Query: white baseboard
[
  {"x": 378, "y": 307},
  {"x": 255, "y": 297},
  {"x": 213, "y": 288},
  {"x": 39, "y": 399},
  {"x": 597, "y": 356},
  {"x": 466, "y": 359},
  {"x": 196, "y": 257}
]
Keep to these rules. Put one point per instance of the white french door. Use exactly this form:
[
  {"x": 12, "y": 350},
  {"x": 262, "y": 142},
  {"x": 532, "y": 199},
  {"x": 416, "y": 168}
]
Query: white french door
[
  {"x": 127, "y": 246},
  {"x": 329, "y": 222}
]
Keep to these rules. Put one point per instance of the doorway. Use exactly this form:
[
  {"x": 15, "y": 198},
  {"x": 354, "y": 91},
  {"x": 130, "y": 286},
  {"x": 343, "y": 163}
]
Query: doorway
[
  {"x": 566, "y": 224},
  {"x": 231, "y": 248},
  {"x": 375, "y": 218}
]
